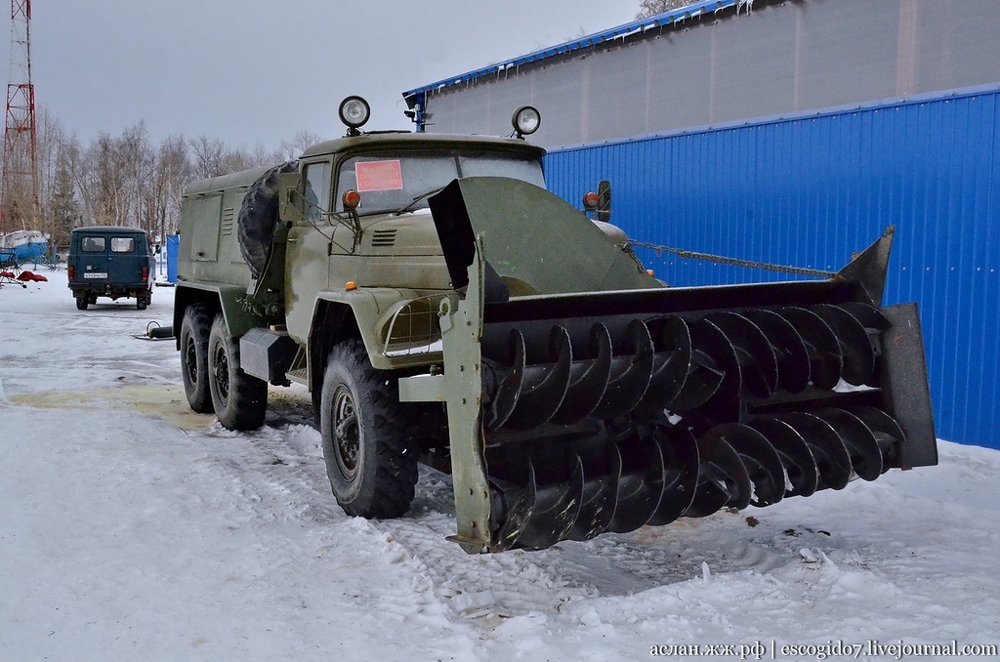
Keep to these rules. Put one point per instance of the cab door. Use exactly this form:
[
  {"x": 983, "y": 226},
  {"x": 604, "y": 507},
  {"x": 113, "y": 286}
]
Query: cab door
[{"x": 307, "y": 250}]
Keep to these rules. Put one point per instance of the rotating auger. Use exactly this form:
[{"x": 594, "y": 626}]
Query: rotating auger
[{"x": 603, "y": 401}]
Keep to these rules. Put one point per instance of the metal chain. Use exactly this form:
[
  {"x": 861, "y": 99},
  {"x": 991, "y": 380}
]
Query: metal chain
[{"x": 731, "y": 261}]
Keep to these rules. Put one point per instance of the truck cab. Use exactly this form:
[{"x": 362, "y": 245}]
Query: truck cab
[{"x": 110, "y": 262}]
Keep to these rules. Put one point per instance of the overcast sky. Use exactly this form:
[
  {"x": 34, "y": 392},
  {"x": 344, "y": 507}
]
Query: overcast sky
[{"x": 256, "y": 71}]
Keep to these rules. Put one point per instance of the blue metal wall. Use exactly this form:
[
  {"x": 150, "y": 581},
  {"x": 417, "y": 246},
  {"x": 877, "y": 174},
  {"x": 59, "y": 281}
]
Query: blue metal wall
[
  {"x": 173, "y": 248},
  {"x": 807, "y": 191}
]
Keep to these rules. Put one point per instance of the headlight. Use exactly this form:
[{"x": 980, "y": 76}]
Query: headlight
[
  {"x": 526, "y": 121},
  {"x": 354, "y": 112}
]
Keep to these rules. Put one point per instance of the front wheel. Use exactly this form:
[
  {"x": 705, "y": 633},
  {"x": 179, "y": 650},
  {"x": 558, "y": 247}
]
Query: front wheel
[
  {"x": 370, "y": 456},
  {"x": 239, "y": 400}
]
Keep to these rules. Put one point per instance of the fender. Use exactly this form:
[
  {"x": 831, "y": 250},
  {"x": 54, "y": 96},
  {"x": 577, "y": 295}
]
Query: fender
[
  {"x": 418, "y": 309},
  {"x": 226, "y": 298}
]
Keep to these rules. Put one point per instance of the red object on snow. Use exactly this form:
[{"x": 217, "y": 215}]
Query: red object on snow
[
  {"x": 7, "y": 274},
  {"x": 29, "y": 275}
]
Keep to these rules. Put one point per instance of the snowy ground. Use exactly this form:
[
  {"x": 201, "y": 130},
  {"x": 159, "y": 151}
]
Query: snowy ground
[{"x": 133, "y": 529}]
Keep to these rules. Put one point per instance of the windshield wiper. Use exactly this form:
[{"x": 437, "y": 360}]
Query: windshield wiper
[{"x": 417, "y": 199}]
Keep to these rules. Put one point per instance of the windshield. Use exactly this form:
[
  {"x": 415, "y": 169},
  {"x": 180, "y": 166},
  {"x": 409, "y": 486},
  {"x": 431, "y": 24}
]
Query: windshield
[{"x": 391, "y": 182}]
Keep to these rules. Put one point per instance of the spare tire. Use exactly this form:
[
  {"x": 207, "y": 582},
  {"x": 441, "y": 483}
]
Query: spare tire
[{"x": 257, "y": 217}]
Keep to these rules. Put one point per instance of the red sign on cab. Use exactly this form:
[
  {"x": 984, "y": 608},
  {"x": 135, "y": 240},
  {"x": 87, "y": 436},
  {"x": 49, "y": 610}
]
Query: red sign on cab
[{"x": 378, "y": 176}]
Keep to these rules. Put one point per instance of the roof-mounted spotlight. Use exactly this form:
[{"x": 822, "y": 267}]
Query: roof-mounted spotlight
[
  {"x": 526, "y": 121},
  {"x": 354, "y": 113}
]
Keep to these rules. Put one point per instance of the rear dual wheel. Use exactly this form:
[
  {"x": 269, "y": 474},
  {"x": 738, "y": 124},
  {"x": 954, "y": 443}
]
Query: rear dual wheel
[
  {"x": 239, "y": 400},
  {"x": 195, "y": 328}
]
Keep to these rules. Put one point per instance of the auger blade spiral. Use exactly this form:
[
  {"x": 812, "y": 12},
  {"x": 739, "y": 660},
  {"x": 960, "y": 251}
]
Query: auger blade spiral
[
  {"x": 639, "y": 420},
  {"x": 723, "y": 480},
  {"x": 826, "y": 362},
  {"x": 860, "y": 441},
  {"x": 833, "y": 462},
  {"x": 601, "y": 464},
  {"x": 630, "y": 373},
  {"x": 673, "y": 362},
  {"x": 796, "y": 457},
  {"x": 679, "y": 450},
  {"x": 754, "y": 353},
  {"x": 789, "y": 349},
  {"x": 589, "y": 379},
  {"x": 859, "y": 357},
  {"x": 640, "y": 485}
]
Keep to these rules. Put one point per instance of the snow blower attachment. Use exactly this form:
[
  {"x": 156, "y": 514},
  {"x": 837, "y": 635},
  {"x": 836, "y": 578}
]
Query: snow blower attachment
[{"x": 583, "y": 396}]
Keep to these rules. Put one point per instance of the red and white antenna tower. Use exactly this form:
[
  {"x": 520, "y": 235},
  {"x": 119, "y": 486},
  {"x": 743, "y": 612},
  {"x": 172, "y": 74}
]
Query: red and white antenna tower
[{"x": 19, "y": 196}]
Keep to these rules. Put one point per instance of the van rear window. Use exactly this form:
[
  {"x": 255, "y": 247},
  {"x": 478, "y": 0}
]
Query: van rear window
[
  {"x": 122, "y": 244},
  {"x": 93, "y": 244}
]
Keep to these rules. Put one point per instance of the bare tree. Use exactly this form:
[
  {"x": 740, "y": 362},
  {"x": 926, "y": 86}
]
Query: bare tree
[
  {"x": 171, "y": 173},
  {"x": 292, "y": 149},
  {"x": 262, "y": 156},
  {"x": 63, "y": 206},
  {"x": 235, "y": 160},
  {"x": 49, "y": 142},
  {"x": 136, "y": 161},
  {"x": 207, "y": 157},
  {"x": 124, "y": 180},
  {"x": 76, "y": 159},
  {"x": 649, "y": 8},
  {"x": 102, "y": 180}
]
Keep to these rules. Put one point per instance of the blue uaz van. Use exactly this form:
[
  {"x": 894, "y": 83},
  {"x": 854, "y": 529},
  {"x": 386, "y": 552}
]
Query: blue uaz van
[{"x": 110, "y": 262}]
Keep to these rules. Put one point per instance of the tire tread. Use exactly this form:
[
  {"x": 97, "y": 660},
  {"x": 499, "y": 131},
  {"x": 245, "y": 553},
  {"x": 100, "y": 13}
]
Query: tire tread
[{"x": 392, "y": 490}]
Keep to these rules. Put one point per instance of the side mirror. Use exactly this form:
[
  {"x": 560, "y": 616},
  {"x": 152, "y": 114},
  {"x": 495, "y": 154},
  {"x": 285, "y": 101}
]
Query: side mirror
[
  {"x": 290, "y": 207},
  {"x": 604, "y": 201}
]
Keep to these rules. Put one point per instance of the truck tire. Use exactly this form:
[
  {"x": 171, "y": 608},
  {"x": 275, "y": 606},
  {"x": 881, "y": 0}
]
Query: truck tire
[
  {"x": 257, "y": 216},
  {"x": 370, "y": 459},
  {"x": 82, "y": 303},
  {"x": 195, "y": 327},
  {"x": 239, "y": 400}
]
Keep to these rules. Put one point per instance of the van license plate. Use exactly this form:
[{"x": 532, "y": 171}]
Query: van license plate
[{"x": 95, "y": 274}]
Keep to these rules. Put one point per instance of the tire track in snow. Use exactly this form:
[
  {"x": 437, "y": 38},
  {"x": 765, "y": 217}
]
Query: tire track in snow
[
  {"x": 280, "y": 474},
  {"x": 284, "y": 466}
]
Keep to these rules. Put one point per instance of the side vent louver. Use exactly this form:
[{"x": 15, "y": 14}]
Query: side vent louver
[
  {"x": 228, "y": 220},
  {"x": 384, "y": 238}
]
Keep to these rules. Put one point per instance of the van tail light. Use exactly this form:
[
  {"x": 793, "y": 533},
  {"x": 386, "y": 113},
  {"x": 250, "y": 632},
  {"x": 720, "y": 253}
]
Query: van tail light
[
  {"x": 71, "y": 271},
  {"x": 145, "y": 274}
]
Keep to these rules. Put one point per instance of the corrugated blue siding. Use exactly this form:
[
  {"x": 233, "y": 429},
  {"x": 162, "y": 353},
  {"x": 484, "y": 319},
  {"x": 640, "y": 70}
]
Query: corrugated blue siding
[{"x": 808, "y": 191}]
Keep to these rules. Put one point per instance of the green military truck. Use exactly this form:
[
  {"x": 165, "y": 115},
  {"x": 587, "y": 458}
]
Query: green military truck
[{"x": 443, "y": 307}]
